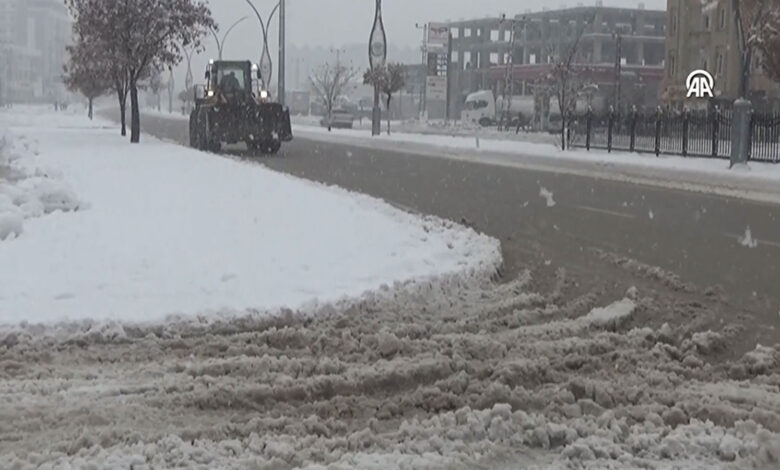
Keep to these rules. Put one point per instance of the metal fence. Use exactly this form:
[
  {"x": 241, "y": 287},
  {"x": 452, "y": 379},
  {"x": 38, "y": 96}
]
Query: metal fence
[{"x": 687, "y": 133}]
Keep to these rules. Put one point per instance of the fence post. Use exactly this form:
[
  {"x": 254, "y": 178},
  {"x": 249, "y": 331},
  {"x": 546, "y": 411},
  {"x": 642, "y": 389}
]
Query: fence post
[
  {"x": 610, "y": 123},
  {"x": 588, "y": 127},
  {"x": 740, "y": 132},
  {"x": 685, "y": 124},
  {"x": 632, "y": 145},
  {"x": 658, "y": 116},
  {"x": 715, "y": 131}
]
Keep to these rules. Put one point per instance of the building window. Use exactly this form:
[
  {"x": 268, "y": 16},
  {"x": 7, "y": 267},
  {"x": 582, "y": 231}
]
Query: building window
[
  {"x": 467, "y": 33},
  {"x": 719, "y": 64},
  {"x": 670, "y": 69},
  {"x": 706, "y": 22},
  {"x": 673, "y": 19},
  {"x": 455, "y": 33},
  {"x": 722, "y": 18}
]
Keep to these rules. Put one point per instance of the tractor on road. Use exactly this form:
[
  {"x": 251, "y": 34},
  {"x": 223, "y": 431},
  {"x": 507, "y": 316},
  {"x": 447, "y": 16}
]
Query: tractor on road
[{"x": 234, "y": 106}]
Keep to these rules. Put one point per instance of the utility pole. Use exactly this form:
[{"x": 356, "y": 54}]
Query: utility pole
[
  {"x": 282, "y": 37},
  {"x": 424, "y": 87},
  {"x": 618, "y": 68}
]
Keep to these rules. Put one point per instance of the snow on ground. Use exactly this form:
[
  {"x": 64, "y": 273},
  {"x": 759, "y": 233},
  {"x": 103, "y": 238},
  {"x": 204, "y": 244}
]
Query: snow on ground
[
  {"x": 492, "y": 377},
  {"x": 444, "y": 373},
  {"x": 167, "y": 230}
]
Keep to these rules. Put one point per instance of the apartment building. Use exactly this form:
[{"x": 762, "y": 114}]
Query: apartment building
[
  {"x": 33, "y": 36},
  {"x": 702, "y": 34}
]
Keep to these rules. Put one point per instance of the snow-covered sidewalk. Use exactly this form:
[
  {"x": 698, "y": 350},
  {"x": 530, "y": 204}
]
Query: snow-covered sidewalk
[{"x": 96, "y": 228}]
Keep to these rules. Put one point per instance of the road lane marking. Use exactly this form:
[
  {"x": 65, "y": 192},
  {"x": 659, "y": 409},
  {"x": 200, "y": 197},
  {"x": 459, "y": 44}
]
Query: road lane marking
[{"x": 605, "y": 212}]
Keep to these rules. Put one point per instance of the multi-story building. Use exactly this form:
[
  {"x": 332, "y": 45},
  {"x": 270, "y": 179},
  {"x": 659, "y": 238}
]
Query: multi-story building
[
  {"x": 33, "y": 37},
  {"x": 631, "y": 37},
  {"x": 702, "y": 34}
]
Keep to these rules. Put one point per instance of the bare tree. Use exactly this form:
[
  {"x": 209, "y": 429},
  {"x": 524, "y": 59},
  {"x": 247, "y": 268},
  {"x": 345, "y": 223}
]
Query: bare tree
[
  {"x": 760, "y": 32},
  {"x": 328, "y": 83},
  {"x": 564, "y": 81},
  {"x": 752, "y": 18},
  {"x": 390, "y": 79},
  {"x": 139, "y": 36},
  {"x": 86, "y": 73}
]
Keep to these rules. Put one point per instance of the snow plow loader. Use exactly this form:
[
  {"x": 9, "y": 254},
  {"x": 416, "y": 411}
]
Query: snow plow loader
[{"x": 234, "y": 106}]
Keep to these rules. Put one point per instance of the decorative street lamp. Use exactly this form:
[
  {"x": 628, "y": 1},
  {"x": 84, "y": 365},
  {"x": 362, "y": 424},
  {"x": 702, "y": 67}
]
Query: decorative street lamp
[
  {"x": 171, "y": 90},
  {"x": 377, "y": 56},
  {"x": 221, "y": 43},
  {"x": 188, "y": 80},
  {"x": 266, "y": 65}
]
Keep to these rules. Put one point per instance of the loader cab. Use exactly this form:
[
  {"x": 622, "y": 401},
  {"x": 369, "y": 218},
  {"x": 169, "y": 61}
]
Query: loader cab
[{"x": 231, "y": 78}]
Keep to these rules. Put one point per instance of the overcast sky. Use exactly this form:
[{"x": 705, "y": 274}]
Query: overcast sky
[{"x": 337, "y": 23}]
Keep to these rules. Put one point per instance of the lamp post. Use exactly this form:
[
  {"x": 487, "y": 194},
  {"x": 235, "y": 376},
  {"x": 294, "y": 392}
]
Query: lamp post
[
  {"x": 618, "y": 67},
  {"x": 266, "y": 65},
  {"x": 377, "y": 56},
  {"x": 424, "y": 87},
  {"x": 188, "y": 79},
  {"x": 221, "y": 42},
  {"x": 509, "y": 82},
  {"x": 171, "y": 91}
]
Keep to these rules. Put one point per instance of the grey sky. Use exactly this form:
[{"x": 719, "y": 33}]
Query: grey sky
[{"x": 327, "y": 24}]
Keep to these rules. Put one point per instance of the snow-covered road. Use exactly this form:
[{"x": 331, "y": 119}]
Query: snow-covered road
[
  {"x": 157, "y": 229},
  {"x": 552, "y": 369}
]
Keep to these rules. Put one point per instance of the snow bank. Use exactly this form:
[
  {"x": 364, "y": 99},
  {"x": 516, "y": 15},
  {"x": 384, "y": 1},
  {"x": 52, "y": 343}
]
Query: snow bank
[
  {"x": 169, "y": 232},
  {"x": 27, "y": 190}
]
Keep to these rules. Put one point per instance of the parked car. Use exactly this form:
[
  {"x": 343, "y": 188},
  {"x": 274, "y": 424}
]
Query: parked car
[{"x": 340, "y": 119}]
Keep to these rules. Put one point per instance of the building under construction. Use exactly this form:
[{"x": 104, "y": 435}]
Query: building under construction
[{"x": 620, "y": 52}]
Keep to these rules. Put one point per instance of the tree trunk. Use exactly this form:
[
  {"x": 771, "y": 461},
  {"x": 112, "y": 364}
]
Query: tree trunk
[
  {"x": 389, "y": 97},
  {"x": 90, "y": 108},
  {"x": 135, "y": 115},
  {"x": 562, "y": 108},
  {"x": 122, "y": 112},
  {"x": 330, "y": 118}
]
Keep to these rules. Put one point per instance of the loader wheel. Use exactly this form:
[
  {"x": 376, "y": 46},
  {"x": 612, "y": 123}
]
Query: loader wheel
[
  {"x": 271, "y": 147},
  {"x": 193, "y": 130}
]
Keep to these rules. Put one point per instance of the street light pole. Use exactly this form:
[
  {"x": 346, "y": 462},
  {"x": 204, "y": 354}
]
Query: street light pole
[
  {"x": 282, "y": 47},
  {"x": 618, "y": 67},
  {"x": 377, "y": 56},
  {"x": 266, "y": 64},
  {"x": 424, "y": 87},
  {"x": 221, "y": 43}
]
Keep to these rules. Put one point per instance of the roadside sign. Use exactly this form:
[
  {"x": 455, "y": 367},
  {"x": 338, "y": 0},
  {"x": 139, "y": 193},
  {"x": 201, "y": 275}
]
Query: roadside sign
[{"x": 437, "y": 88}]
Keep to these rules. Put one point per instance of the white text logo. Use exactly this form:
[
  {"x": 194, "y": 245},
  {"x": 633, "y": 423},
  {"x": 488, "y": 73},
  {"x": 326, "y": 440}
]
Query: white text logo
[{"x": 700, "y": 84}]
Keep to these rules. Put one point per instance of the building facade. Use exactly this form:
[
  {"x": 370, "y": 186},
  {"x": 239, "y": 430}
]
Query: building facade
[
  {"x": 33, "y": 37},
  {"x": 631, "y": 37},
  {"x": 702, "y": 34}
]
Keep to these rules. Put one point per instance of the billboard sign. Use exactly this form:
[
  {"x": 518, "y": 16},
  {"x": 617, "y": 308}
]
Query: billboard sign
[{"x": 438, "y": 38}]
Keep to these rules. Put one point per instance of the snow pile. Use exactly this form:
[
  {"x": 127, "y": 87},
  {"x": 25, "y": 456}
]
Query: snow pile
[
  {"x": 27, "y": 190},
  {"x": 172, "y": 234}
]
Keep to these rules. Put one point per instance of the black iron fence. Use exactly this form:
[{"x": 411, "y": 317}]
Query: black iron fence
[{"x": 687, "y": 133}]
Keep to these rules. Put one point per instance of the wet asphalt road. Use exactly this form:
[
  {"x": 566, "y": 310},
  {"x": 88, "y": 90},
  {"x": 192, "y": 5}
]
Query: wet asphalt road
[{"x": 694, "y": 235}]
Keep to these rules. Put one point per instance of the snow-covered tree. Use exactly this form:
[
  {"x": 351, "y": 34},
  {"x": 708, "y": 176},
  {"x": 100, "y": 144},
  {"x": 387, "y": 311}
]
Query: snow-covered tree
[
  {"x": 140, "y": 36},
  {"x": 390, "y": 79},
  {"x": 328, "y": 83},
  {"x": 86, "y": 73}
]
